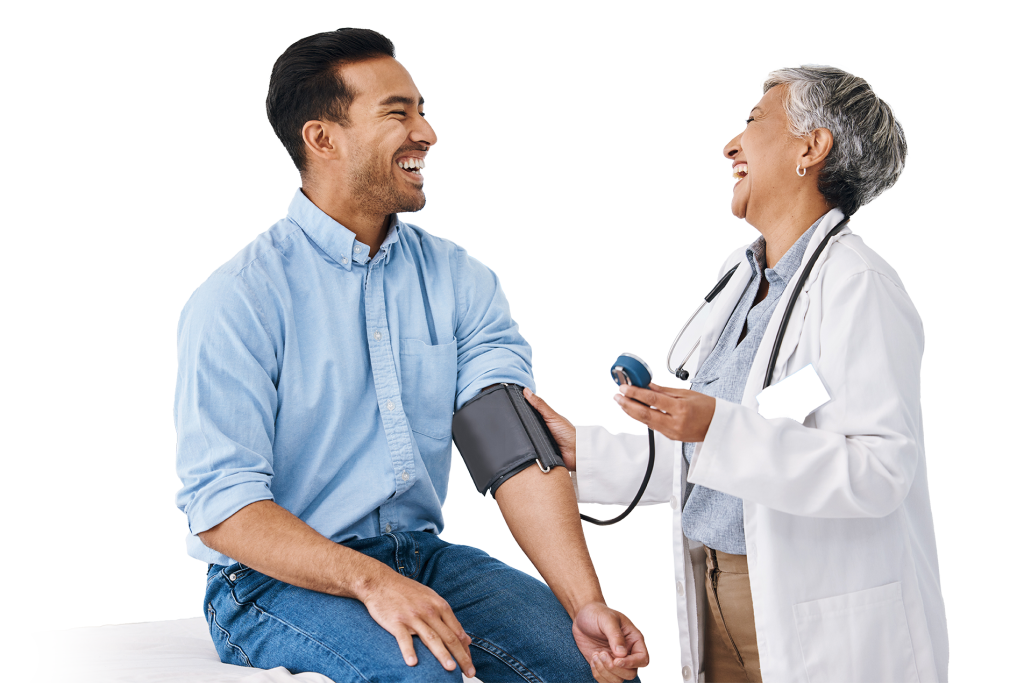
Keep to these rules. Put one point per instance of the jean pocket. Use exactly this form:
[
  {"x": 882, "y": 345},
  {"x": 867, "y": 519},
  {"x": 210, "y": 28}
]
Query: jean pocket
[
  {"x": 429, "y": 375},
  {"x": 248, "y": 585},
  {"x": 860, "y": 636}
]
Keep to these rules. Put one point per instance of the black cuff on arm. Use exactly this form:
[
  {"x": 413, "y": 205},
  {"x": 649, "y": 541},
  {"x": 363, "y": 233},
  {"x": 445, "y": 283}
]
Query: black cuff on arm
[{"x": 499, "y": 434}]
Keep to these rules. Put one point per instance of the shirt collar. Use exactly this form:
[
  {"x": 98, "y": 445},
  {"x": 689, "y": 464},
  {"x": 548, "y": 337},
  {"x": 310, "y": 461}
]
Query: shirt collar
[
  {"x": 334, "y": 239},
  {"x": 787, "y": 266}
]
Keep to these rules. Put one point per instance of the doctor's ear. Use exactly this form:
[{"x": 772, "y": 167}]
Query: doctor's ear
[{"x": 817, "y": 145}]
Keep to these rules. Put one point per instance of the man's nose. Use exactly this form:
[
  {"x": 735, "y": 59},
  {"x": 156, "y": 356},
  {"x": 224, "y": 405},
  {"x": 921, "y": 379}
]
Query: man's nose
[{"x": 423, "y": 133}]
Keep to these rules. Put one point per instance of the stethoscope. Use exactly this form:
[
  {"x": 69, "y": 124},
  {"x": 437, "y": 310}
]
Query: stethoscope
[{"x": 632, "y": 370}]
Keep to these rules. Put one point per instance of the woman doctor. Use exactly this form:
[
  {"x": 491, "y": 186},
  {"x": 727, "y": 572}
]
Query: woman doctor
[{"x": 804, "y": 543}]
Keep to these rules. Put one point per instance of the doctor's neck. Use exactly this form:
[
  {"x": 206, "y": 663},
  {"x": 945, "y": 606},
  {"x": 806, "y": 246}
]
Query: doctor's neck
[{"x": 783, "y": 227}]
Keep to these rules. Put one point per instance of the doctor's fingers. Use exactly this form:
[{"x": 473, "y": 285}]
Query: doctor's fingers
[
  {"x": 646, "y": 396},
  {"x": 667, "y": 424},
  {"x": 670, "y": 391}
]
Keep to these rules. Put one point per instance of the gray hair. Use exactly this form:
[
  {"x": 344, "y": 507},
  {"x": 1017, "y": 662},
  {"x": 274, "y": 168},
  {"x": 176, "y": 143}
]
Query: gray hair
[{"x": 869, "y": 147}]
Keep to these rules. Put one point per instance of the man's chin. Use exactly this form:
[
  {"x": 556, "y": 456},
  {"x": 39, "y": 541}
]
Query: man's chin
[{"x": 412, "y": 204}]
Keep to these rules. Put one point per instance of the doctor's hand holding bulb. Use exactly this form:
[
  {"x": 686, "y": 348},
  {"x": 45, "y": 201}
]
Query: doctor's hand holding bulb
[{"x": 794, "y": 464}]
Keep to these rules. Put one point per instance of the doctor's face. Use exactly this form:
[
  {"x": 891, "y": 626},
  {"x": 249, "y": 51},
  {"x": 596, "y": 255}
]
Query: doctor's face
[{"x": 764, "y": 158}]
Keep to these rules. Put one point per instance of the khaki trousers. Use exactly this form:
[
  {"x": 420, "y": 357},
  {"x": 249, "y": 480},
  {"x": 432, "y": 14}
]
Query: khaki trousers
[{"x": 730, "y": 641}]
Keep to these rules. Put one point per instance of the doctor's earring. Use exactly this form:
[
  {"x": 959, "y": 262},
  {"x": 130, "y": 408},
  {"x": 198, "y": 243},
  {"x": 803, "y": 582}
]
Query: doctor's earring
[{"x": 798, "y": 169}]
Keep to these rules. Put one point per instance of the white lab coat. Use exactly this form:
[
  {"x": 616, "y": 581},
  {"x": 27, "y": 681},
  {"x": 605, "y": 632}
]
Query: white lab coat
[{"x": 840, "y": 543}]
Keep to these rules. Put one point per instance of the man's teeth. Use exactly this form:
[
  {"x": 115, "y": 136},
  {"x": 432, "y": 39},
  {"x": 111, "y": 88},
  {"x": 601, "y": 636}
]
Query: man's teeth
[
  {"x": 740, "y": 171},
  {"x": 412, "y": 164}
]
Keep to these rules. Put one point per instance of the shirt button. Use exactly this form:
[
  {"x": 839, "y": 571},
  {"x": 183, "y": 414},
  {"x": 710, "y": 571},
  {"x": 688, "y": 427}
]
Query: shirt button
[
  {"x": 358, "y": 249},
  {"x": 686, "y": 673},
  {"x": 405, "y": 476},
  {"x": 674, "y": 503},
  {"x": 376, "y": 335},
  {"x": 344, "y": 261},
  {"x": 231, "y": 576},
  {"x": 390, "y": 404},
  {"x": 679, "y": 587},
  {"x": 387, "y": 528}
]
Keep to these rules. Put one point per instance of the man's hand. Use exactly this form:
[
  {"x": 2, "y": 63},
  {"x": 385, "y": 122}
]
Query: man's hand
[
  {"x": 611, "y": 643},
  {"x": 275, "y": 542},
  {"x": 561, "y": 429},
  {"x": 679, "y": 414},
  {"x": 404, "y": 608}
]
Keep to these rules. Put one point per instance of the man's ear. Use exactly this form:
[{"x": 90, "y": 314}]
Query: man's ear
[
  {"x": 817, "y": 146},
  {"x": 321, "y": 140}
]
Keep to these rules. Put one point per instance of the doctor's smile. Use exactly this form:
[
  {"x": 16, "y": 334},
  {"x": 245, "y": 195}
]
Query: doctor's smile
[{"x": 793, "y": 460}]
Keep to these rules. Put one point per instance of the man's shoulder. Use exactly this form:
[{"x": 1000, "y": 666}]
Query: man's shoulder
[
  {"x": 250, "y": 271},
  {"x": 417, "y": 237}
]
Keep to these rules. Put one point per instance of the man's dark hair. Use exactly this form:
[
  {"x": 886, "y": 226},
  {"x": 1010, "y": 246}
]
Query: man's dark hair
[{"x": 306, "y": 84}]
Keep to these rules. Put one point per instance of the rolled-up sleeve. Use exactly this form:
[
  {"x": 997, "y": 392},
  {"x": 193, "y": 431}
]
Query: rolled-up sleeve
[
  {"x": 490, "y": 347},
  {"x": 225, "y": 403}
]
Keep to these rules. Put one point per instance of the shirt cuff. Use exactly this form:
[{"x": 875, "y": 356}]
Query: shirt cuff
[{"x": 223, "y": 498}]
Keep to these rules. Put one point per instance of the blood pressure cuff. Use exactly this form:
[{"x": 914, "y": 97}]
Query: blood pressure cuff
[{"x": 499, "y": 434}]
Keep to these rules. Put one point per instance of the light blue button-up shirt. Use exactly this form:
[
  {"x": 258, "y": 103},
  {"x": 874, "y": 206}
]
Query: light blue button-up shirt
[
  {"x": 712, "y": 517},
  {"x": 314, "y": 376}
]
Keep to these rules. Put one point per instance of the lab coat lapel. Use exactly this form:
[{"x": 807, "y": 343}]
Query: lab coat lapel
[
  {"x": 723, "y": 305},
  {"x": 755, "y": 381}
]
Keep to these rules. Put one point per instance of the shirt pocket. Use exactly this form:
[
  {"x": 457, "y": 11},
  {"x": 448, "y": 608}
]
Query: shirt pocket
[
  {"x": 860, "y": 636},
  {"x": 429, "y": 375}
]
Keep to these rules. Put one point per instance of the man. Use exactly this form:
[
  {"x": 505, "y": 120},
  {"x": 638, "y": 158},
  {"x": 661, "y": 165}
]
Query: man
[{"x": 318, "y": 370}]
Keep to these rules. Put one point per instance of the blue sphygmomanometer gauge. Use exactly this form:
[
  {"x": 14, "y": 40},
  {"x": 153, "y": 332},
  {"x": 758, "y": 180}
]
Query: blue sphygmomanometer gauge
[{"x": 630, "y": 369}]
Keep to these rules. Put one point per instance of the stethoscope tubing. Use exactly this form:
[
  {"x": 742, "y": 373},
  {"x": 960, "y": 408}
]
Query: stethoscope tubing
[{"x": 772, "y": 359}]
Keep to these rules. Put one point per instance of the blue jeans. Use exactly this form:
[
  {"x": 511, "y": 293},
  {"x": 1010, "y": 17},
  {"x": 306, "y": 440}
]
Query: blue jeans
[{"x": 520, "y": 632}]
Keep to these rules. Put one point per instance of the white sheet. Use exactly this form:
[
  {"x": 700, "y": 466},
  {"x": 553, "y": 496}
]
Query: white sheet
[{"x": 150, "y": 652}]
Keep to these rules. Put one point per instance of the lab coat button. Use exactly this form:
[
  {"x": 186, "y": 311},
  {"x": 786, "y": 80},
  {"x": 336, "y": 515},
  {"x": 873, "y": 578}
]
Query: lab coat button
[
  {"x": 674, "y": 503},
  {"x": 686, "y": 673},
  {"x": 679, "y": 587},
  {"x": 390, "y": 404}
]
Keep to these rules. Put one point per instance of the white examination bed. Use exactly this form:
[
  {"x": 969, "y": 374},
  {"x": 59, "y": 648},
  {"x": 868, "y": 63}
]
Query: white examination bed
[{"x": 151, "y": 652}]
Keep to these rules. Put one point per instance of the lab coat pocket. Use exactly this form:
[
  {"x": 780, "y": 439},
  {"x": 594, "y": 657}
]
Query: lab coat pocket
[
  {"x": 860, "y": 636},
  {"x": 429, "y": 374}
]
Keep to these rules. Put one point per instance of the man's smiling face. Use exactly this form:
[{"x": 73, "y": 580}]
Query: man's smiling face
[{"x": 385, "y": 138}]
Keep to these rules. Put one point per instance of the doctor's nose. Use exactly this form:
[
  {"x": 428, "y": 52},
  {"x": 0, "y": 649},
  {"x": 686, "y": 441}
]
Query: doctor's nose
[{"x": 732, "y": 148}]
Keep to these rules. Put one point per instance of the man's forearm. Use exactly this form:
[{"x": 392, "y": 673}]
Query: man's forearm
[
  {"x": 273, "y": 541},
  {"x": 540, "y": 510}
]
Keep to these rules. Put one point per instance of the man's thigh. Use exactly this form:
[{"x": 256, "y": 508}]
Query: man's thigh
[
  {"x": 261, "y": 622},
  {"x": 519, "y": 629}
]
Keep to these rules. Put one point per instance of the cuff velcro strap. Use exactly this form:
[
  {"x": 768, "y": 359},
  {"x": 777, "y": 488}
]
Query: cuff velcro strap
[{"x": 499, "y": 434}]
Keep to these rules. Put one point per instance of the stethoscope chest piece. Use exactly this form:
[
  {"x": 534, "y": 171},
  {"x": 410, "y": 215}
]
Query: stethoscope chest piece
[{"x": 630, "y": 369}]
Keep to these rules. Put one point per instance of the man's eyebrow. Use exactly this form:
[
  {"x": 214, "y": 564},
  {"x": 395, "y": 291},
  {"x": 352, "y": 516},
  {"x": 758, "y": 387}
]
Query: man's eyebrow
[{"x": 399, "y": 99}]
